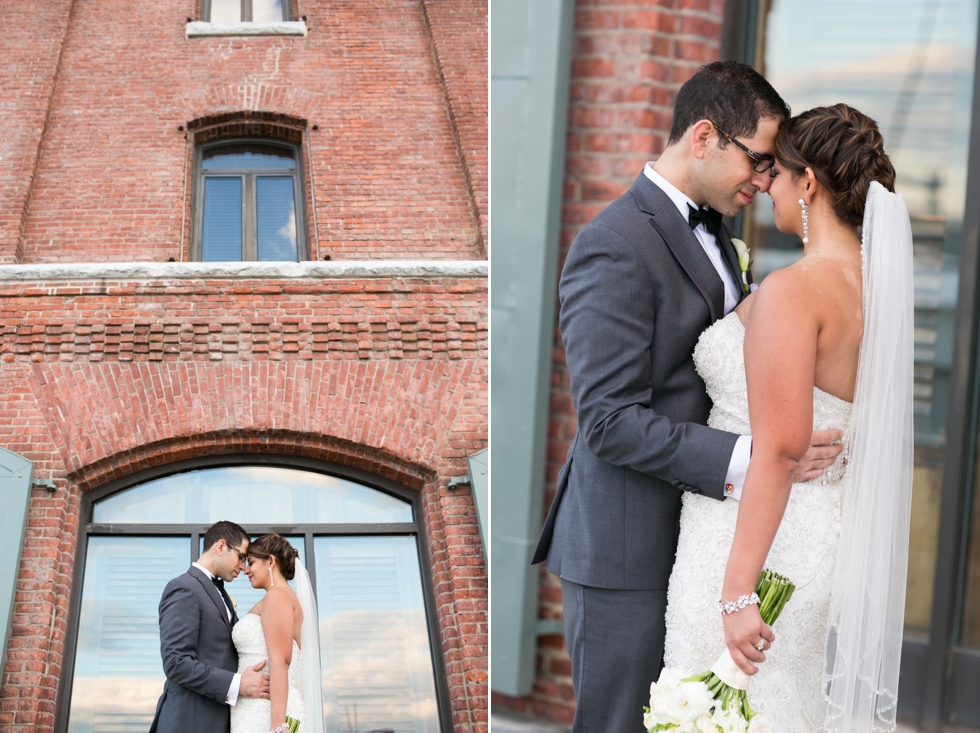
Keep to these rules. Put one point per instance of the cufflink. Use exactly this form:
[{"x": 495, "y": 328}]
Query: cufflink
[{"x": 729, "y": 489}]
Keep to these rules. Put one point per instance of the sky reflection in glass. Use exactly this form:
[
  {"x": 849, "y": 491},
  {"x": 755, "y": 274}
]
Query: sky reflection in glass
[
  {"x": 222, "y": 232},
  {"x": 118, "y": 671},
  {"x": 226, "y": 11},
  {"x": 247, "y": 155},
  {"x": 276, "y": 218},
  {"x": 264, "y": 495},
  {"x": 374, "y": 642},
  {"x": 267, "y": 11}
]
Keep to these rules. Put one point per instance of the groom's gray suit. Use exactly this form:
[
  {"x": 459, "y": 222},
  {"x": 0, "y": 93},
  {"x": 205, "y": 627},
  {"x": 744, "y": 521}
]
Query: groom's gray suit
[
  {"x": 637, "y": 290},
  {"x": 199, "y": 657}
]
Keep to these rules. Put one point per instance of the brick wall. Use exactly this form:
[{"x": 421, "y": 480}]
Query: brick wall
[
  {"x": 97, "y": 382},
  {"x": 628, "y": 60},
  {"x": 396, "y": 89},
  {"x": 101, "y": 378}
]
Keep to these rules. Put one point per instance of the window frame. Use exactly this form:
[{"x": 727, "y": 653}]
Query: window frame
[
  {"x": 249, "y": 202},
  {"x": 87, "y": 528},
  {"x": 287, "y": 11}
]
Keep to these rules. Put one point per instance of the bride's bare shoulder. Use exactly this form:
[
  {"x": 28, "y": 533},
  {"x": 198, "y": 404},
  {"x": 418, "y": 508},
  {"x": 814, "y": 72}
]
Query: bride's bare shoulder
[{"x": 783, "y": 288}]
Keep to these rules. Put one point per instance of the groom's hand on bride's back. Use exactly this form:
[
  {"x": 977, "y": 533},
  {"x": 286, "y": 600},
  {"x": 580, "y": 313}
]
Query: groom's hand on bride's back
[
  {"x": 824, "y": 448},
  {"x": 254, "y": 683}
]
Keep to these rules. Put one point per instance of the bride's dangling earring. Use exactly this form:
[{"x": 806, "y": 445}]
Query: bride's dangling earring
[
  {"x": 272, "y": 581},
  {"x": 806, "y": 221}
]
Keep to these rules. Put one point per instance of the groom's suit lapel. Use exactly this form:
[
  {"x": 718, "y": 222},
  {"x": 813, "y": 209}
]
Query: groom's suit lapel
[
  {"x": 731, "y": 257},
  {"x": 675, "y": 231},
  {"x": 213, "y": 594}
]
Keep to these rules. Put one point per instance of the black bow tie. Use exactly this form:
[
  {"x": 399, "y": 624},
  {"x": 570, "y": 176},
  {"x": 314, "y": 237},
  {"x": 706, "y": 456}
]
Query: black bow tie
[{"x": 709, "y": 217}]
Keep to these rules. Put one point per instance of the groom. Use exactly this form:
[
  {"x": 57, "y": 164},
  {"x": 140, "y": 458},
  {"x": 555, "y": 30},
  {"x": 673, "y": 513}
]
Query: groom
[
  {"x": 199, "y": 658},
  {"x": 641, "y": 282}
]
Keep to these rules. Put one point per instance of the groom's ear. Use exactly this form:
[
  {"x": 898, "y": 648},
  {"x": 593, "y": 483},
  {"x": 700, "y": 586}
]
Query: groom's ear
[{"x": 700, "y": 137}]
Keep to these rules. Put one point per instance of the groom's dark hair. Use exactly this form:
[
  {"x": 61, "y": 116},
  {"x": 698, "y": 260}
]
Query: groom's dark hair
[
  {"x": 230, "y": 532},
  {"x": 733, "y": 96}
]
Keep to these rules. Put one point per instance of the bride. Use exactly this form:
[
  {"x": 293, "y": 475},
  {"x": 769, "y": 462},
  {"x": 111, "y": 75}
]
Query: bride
[
  {"x": 281, "y": 628},
  {"x": 825, "y": 343}
]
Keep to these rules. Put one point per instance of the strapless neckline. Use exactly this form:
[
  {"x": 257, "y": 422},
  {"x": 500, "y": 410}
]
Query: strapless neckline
[{"x": 830, "y": 395}]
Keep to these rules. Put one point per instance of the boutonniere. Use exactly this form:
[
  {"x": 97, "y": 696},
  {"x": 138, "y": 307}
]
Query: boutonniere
[
  {"x": 744, "y": 263},
  {"x": 234, "y": 603}
]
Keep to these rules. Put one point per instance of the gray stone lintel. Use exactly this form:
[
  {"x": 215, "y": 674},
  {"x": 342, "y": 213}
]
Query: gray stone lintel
[
  {"x": 202, "y": 29},
  {"x": 340, "y": 270}
]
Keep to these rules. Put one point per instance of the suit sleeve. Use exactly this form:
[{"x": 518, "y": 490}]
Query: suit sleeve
[
  {"x": 607, "y": 324},
  {"x": 180, "y": 622}
]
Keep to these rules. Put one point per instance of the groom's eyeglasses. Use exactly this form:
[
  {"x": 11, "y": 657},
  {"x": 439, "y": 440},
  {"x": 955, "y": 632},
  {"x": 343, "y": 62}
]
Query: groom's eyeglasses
[
  {"x": 760, "y": 163},
  {"x": 242, "y": 557}
]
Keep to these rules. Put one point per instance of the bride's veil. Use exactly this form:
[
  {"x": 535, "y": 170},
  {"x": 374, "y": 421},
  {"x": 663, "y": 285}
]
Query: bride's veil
[
  {"x": 310, "y": 654},
  {"x": 868, "y": 598}
]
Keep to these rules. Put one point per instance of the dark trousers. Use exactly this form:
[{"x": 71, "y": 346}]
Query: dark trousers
[{"x": 616, "y": 642}]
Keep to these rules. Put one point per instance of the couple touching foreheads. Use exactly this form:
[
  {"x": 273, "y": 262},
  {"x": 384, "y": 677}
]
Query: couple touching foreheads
[
  {"x": 724, "y": 428},
  {"x": 240, "y": 675}
]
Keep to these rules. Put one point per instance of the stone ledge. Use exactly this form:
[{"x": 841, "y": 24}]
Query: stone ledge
[
  {"x": 341, "y": 270},
  {"x": 202, "y": 29}
]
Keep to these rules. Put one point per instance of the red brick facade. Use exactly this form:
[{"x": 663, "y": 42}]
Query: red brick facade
[
  {"x": 99, "y": 378},
  {"x": 628, "y": 60}
]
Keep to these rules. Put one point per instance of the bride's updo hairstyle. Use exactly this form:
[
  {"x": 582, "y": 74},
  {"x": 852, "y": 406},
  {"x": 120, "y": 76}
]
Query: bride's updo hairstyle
[
  {"x": 274, "y": 545},
  {"x": 845, "y": 151}
]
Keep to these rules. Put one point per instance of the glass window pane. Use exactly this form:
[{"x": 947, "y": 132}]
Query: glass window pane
[
  {"x": 118, "y": 675},
  {"x": 275, "y": 217},
  {"x": 267, "y": 11},
  {"x": 221, "y": 238},
  {"x": 911, "y": 69},
  {"x": 247, "y": 155},
  {"x": 374, "y": 642},
  {"x": 226, "y": 11},
  {"x": 263, "y": 495}
]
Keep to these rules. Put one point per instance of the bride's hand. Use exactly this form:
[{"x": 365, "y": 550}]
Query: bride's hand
[{"x": 743, "y": 631}]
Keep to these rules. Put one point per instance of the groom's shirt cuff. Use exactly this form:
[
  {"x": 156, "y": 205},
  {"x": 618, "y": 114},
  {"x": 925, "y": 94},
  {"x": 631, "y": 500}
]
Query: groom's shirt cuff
[
  {"x": 739, "y": 464},
  {"x": 232, "y": 697}
]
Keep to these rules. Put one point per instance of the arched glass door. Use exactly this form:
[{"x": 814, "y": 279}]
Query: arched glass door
[{"x": 360, "y": 544}]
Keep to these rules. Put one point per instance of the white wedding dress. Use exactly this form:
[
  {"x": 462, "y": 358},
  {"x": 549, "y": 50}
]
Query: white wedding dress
[
  {"x": 789, "y": 686},
  {"x": 254, "y": 715}
]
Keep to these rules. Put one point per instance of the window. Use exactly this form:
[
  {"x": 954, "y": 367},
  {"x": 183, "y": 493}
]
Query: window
[
  {"x": 379, "y": 648},
  {"x": 247, "y": 202},
  {"x": 237, "y": 11}
]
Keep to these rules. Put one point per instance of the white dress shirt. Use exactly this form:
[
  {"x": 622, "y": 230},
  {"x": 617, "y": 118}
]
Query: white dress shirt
[
  {"x": 739, "y": 463},
  {"x": 236, "y": 681}
]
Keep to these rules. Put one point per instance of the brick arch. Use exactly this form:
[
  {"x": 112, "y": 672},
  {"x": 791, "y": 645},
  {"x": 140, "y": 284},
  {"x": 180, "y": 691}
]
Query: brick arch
[
  {"x": 393, "y": 418},
  {"x": 281, "y": 99},
  {"x": 247, "y": 124},
  {"x": 279, "y": 443}
]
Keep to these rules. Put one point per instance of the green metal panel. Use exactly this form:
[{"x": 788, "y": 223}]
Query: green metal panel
[
  {"x": 480, "y": 484},
  {"x": 529, "y": 102},
  {"x": 16, "y": 474}
]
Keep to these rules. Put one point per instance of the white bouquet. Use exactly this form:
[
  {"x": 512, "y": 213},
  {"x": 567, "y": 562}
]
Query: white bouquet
[{"x": 715, "y": 701}]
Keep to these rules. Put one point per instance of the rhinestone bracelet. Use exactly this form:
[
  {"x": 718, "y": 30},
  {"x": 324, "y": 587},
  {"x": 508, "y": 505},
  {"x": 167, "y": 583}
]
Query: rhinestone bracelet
[
  {"x": 735, "y": 606},
  {"x": 281, "y": 729}
]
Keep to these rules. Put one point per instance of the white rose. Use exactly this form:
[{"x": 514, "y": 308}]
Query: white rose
[
  {"x": 760, "y": 724},
  {"x": 706, "y": 724},
  {"x": 743, "y": 254},
  {"x": 729, "y": 721},
  {"x": 689, "y": 701},
  {"x": 661, "y": 693}
]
